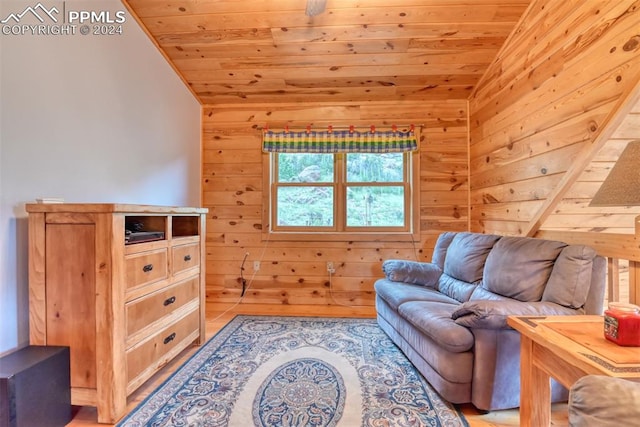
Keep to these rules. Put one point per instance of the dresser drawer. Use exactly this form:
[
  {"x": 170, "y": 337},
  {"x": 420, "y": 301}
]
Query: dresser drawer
[
  {"x": 150, "y": 308},
  {"x": 185, "y": 257},
  {"x": 146, "y": 267},
  {"x": 151, "y": 351}
]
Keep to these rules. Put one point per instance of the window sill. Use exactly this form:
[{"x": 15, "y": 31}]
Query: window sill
[{"x": 290, "y": 236}]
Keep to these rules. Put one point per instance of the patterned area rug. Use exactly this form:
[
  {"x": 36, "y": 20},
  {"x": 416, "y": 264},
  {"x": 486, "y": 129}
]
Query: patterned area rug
[{"x": 296, "y": 371}]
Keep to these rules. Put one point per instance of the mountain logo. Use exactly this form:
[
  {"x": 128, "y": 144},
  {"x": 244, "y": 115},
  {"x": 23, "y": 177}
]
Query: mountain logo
[{"x": 39, "y": 11}]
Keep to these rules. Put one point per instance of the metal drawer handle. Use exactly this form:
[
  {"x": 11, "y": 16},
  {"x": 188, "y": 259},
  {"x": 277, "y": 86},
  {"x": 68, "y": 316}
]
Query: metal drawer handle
[
  {"x": 169, "y": 301},
  {"x": 187, "y": 257},
  {"x": 170, "y": 338},
  {"x": 147, "y": 268}
]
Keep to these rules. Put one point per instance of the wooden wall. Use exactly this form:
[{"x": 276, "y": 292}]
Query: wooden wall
[
  {"x": 542, "y": 116},
  {"x": 295, "y": 272},
  {"x": 544, "y": 128},
  {"x": 573, "y": 211}
]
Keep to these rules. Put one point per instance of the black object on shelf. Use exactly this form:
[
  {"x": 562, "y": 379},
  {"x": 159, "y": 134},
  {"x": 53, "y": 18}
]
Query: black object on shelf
[{"x": 142, "y": 236}]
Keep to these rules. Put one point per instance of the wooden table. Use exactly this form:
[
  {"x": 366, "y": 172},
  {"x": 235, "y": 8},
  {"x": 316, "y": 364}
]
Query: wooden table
[{"x": 565, "y": 348}]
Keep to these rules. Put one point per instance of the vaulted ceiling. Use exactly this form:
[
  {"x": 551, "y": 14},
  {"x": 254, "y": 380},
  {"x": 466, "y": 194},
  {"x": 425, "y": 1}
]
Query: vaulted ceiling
[{"x": 231, "y": 51}]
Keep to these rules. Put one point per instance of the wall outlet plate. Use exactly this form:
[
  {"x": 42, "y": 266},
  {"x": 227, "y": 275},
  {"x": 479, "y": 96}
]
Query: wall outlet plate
[
  {"x": 330, "y": 267},
  {"x": 256, "y": 265}
]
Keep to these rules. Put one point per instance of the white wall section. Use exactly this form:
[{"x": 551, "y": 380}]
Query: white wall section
[{"x": 87, "y": 118}]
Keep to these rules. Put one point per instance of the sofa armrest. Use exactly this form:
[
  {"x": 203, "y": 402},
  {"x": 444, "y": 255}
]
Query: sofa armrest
[
  {"x": 417, "y": 273},
  {"x": 597, "y": 400},
  {"x": 492, "y": 314}
]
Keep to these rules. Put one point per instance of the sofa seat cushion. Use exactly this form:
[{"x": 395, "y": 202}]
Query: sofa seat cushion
[
  {"x": 395, "y": 294},
  {"x": 519, "y": 267},
  {"x": 434, "y": 320},
  {"x": 438, "y": 365}
]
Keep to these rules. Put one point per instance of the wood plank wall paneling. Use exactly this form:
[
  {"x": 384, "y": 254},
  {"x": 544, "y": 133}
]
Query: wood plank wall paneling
[
  {"x": 355, "y": 51},
  {"x": 575, "y": 204},
  {"x": 295, "y": 272},
  {"x": 546, "y": 102}
]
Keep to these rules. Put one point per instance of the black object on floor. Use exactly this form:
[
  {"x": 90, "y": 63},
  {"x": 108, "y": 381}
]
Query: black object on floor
[{"x": 35, "y": 389}]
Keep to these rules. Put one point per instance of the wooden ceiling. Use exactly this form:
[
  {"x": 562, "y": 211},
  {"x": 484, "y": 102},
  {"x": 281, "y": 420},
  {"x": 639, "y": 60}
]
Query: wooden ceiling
[{"x": 255, "y": 51}]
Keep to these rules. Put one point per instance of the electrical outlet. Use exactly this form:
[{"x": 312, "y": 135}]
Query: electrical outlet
[
  {"x": 256, "y": 265},
  {"x": 330, "y": 267}
]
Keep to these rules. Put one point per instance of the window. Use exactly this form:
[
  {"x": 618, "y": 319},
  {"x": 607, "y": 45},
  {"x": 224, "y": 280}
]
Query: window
[{"x": 356, "y": 195}]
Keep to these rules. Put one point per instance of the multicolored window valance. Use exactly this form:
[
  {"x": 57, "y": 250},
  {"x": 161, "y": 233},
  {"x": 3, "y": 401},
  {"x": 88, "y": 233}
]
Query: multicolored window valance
[{"x": 339, "y": 141}]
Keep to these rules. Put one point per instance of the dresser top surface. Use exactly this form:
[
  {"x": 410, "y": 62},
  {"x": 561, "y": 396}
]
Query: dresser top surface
[{"x": 110, "y": 208}]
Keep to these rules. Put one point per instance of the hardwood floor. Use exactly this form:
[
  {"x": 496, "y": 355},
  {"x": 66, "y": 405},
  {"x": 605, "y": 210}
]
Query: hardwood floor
[{"x": 219, "y": 315}]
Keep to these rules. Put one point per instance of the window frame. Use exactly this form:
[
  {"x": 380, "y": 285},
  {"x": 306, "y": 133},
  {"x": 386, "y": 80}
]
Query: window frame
[{"x": 339, "y": 231}]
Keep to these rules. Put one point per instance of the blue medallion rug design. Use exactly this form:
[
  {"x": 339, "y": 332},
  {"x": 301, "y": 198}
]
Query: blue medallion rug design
[{"x": 293, "y": 372}]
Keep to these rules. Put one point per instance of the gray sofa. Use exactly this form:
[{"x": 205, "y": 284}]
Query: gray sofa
[
  {"x": 449, "y": 316},
  {"x": 599, "y": 401}
]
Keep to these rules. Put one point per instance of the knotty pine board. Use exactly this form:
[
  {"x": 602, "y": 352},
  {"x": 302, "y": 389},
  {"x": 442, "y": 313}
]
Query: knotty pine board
[
  {"x": 550, "y": 94},
  {"x": 295, "y": 272},
  {"x": 159, "y": 8}
]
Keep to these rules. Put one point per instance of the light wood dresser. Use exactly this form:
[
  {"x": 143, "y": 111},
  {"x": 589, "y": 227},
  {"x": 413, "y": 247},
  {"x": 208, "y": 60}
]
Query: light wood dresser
[{"x": 122, "y": 285}]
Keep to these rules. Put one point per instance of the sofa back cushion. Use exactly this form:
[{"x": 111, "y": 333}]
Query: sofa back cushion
[
  {"x": 519, "y": 267},
  {"x": 457, "y": 289},
  {"x": 467, "y": 254},
  {"x": 480, "y": 293},
  {"x": 571, "y": 277},
  {"x": 441, "y": 247},
  {"x": 595, "y": 298}
]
